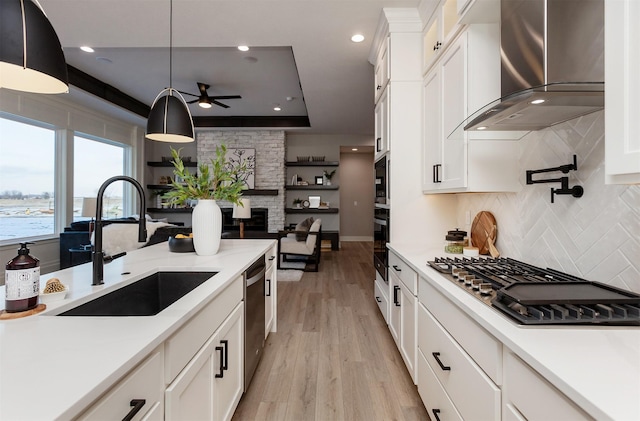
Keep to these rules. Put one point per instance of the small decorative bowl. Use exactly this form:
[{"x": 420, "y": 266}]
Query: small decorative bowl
[
  {"x": 317, "y": 158},
  {"x": 181, "y": 245},
  {"x": 303, "y": 159},
  {"x": 53, "y": 296}
]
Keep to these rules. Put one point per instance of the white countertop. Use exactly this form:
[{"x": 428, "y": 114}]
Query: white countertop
[
  {"x": 596, "y": 367},
  {"x": 54, "y": 367}
]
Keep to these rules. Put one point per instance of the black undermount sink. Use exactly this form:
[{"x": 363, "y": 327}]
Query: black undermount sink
[{"x": 146, "y": 297}]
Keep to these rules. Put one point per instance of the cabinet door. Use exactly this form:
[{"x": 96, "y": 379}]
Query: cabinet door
[
  {"x": 269, "y": 301},
  {"x": 622, "y": 96},
  {"x": 229, "y": 365},
  {"x": 442, "y": 28},
  {"x": 431, "y": 141},
  {"x": 395, "y": 295},
  {"x": 382, "y": 124},
  {"x": 454, "y": 145},
  {"x": 382, "y": 69},
  {"x": 408, "y": 315}
]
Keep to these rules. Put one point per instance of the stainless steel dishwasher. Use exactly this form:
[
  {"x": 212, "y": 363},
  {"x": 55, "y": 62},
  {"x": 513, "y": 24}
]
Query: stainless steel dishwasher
[{"x": 254, "y": 316}]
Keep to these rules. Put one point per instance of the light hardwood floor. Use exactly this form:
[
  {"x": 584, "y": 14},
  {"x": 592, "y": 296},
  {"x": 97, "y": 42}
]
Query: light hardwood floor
[{"x": 333, "y": 357}]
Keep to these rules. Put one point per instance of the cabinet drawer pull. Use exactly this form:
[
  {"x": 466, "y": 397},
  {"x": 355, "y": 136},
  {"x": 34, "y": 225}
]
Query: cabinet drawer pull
[
  {"x": 378, "y": 299},
  {"x": 136, "y": 406},
  {"x": 226, "y": 354},
  {"x": 220, "y": 373},
  {"x": 378, "y": 144},
  {"x": 378, "y": 87},
  {"x": 436, "y": 173},
  {"x": 435, "y": 414},
  {"x": 271, "y": 258},
  {"x": 396, "y": 288},
  {"x": 268, "y": 293},
  {"x": 436, "y": 355},
  {"x": 397, "y": 268}
]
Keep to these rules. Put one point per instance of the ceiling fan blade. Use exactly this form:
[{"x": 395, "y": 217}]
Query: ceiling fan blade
[
  {"x": 226, "y": 97},
  {"x": 220, "y": 104},
  {"x": 187, "y": 93}
]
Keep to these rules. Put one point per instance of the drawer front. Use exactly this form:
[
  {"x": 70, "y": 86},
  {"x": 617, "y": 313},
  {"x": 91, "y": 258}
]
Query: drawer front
[
  {"x": 525, "y": 390},
  {"x": 144, "y": 382},
  {"x": 184, "y": 344},
  {"x": 271, "y": 255},
  {"x": 382, "y": 299},
  {"x": 434, "y": 397},
  {"x": 474, "y": 394},
  {"x": 485, "y": 350},
  {"x": 407, "y": 275}
]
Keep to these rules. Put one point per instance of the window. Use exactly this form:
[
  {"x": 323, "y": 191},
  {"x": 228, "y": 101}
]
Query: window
[
  {"x": 27, "y": 173},
  {"x": 94, "y": 162}
]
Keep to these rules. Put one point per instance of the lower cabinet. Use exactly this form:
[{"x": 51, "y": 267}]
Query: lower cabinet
[
  {"x": 402, "y": 321},
  {"x": 139, "y": 396},
  {"x": 210, "y": 386},
  {"x": 381, "y": 295},
  {"x": 524, "y": 390},
  {"x": 270, "y": 304}
]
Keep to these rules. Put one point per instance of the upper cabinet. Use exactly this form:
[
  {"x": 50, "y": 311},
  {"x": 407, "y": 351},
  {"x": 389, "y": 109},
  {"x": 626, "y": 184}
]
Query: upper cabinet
[
  {"x": 382, "y": 69},
  {"x": 466, "y": 76},
  {"x": 440, "y": 30},
  {"x": 622, "y": 93}
]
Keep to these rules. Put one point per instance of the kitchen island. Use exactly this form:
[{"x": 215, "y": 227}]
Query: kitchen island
[
  {"x": 56, "y": 367},
  {"x": 521, "y": 371}
]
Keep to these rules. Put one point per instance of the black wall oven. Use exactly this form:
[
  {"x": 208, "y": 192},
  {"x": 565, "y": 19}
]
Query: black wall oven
[
  {"x": 380, "y": 240},
  {"x": 382, "y": 180}
]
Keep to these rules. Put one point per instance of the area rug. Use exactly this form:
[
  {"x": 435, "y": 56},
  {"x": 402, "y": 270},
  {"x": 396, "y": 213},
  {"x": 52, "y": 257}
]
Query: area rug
[{"x": 290, "y": 275}]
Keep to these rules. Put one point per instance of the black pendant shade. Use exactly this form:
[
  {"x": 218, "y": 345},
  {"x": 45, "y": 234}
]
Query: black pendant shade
[
  {"x": 31, "y": 57},
  {"x": 169, "y": 119}
]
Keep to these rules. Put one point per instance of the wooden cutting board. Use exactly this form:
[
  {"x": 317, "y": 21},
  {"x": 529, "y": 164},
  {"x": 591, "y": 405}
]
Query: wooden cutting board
[{"x": 484, "y": 232}]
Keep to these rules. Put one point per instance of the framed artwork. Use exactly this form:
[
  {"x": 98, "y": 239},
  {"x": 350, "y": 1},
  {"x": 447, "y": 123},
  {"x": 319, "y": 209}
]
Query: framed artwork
[
  {"x": 239, "y": 156},
  {"x": 319, "y": 179}
]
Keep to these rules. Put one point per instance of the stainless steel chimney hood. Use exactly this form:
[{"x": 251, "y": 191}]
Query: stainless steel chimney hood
[{"x": 552, "y": 56}]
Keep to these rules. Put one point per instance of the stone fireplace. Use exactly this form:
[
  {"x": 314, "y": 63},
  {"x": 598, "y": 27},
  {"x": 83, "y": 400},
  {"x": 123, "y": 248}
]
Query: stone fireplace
[{"x": 269, "y": 171}]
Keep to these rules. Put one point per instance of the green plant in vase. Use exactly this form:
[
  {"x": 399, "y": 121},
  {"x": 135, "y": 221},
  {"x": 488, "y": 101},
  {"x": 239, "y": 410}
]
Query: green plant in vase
[
  {"x": 297, "y": 202},
  {"x": 328, "y": 175}
]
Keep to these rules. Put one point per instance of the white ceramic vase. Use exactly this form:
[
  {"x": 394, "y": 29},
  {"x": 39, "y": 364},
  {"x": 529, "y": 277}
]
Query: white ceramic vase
[{"x": 206, "y": 224}]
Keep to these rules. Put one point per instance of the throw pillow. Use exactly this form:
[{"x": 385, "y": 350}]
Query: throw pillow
[{"x": 302, "y": 228}]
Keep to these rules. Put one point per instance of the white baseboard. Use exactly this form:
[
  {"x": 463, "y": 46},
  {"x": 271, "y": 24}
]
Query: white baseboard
[{"x": 356, "y": 238}]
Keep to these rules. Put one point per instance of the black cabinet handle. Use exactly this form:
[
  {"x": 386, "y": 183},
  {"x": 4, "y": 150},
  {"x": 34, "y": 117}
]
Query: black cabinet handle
[
  {"x": 268, "y": 294},
  {"x": 136, "y": 406},
  {"x": 436, "y": 173},
  {"x": 379, "y": 144},
  {"x": 435, "y": 414},
  {"x": 378, "y": 87},
  {"x": 226, "y": 354},
  {"x": 436, "y": 355},
  {"x": 271, "y": 258},
  {"x": 437, "y": 46},
  {"x": 396, "y": 288},
  {"x": 378, "y": 299},
  {"x": 397, "y": 268},
  {"x": 220, "y": 373}
]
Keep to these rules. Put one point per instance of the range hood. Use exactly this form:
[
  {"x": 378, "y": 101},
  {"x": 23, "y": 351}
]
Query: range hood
[{"x": 552, "y": 60}]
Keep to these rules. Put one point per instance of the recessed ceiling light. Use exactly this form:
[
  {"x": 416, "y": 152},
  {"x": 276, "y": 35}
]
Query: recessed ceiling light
[
  {"x": 357, "y": 38},
  {"x": 354, "y": 149},
  {"x": 87, "y": 49},
  {"x": 277, "y": 108},
  {"x": 537, "y": 101},
  {"x": 243, "y": 48},
  {"x": 482, "y": 128}
]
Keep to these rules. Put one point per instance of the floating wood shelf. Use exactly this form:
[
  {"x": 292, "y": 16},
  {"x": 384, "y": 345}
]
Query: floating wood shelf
[
  {"x": 252, "y": 192},
  {"x": 311, "y": 210},
  {"x": 312, "y": 187},
  {"x": 312, "y": 163},
  {"x": 170, "y": 164}
]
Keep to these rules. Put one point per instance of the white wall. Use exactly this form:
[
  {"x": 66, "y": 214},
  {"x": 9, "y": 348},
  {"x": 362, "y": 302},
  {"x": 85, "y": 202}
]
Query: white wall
[{"x": 596, "y": 237}]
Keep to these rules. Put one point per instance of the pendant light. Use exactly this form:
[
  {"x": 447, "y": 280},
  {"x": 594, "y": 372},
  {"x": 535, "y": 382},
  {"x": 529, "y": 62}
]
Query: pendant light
[
  {"x": 170, "y": 119},
  {"x": 31, "y": 57}
]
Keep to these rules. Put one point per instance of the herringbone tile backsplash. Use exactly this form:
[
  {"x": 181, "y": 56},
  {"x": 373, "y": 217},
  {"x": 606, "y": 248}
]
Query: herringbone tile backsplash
[{"x": 596, "y": 237}]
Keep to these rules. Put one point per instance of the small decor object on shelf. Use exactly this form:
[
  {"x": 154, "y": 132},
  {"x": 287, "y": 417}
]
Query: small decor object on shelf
[
  {"x": 314, "y": 202},
  {"x": 329, "y": 175},
  {"x": 319, "y": 180},
  {"x": 220, "y": 182},
  {"x": 303, "y": 159},
  {"x": 317, "y": 158},
  {"x": 305, "y": 204},
  {"x": 297, "y": 202}
]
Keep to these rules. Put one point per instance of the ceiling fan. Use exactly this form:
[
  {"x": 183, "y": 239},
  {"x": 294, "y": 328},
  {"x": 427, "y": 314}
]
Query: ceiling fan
[{"x": 206, "y": 101}]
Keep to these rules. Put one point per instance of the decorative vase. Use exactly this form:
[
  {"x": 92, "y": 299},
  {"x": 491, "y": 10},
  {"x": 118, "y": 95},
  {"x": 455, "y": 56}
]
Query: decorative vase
[
  {"x": 328, "y": 183},
  {"x": 206, "y": 224}
]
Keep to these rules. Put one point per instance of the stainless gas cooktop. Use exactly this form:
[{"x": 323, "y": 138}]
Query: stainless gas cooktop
[{"x": 535, "y": 296}]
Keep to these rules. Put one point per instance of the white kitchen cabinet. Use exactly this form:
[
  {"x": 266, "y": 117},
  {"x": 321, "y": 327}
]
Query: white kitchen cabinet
[
  {"x": 440, "y": 30},
  {"x": 382, "y": 125},
  {"x": 524, "y": 390},
  {"x": 271, "y": 280},
  {"x": 465, "y": 78},
  {"x": 622, "y": 95},
  {"x": 381, "y": 69},
  {"x": 141, "y": 392},
  {"x": 403, "y": 310},
  {"x": 210, "y": 386},
  {"x": 433, "y": 394}
]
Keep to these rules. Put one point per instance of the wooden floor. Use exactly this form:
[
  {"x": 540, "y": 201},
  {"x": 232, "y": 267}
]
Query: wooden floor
[{"x": 333, "y": 357}]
